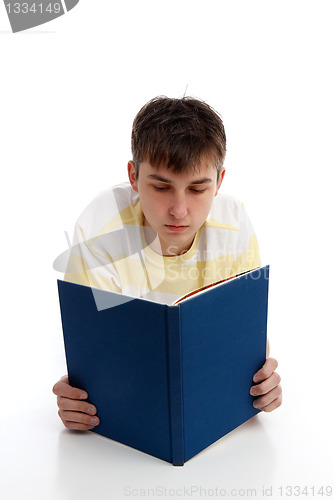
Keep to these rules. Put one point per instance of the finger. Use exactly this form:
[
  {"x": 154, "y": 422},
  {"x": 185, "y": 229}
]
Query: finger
[
  {"x": 273, "y": 405},
  {"x": 74, "y": 405},
  {"x": 73, "y": 417},
  {"x": 266, "y": 400},
  {"x": 75, "y": 426},
  {"x": 266, "y": 386},
  {"x": 63, "y": 379},
  {"x": 62, "y": 388},
  {"x": 267, "y": 369}
]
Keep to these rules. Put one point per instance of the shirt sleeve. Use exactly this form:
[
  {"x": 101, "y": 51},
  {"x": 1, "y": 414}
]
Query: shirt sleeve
[
  {"x": 248, "y": 252},
  {"x": 87, "y": 266}
]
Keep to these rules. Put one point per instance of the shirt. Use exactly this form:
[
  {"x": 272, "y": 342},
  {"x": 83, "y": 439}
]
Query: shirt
[{"x": 110, "y": 250}]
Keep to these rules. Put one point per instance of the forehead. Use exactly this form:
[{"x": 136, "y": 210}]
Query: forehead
[{"x": 203, "y": 171}]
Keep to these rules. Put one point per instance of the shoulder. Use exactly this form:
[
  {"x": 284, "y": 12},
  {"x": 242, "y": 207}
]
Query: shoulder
[
  {"x": 107, "y": 206},
  {"x": 121, "y": 194},
  {"x": 226, "y": 211}
]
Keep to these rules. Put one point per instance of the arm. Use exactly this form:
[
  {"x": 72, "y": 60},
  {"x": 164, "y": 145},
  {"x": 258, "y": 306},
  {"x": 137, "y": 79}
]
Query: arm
[
  {"x": 267, "y": 390},
  {"x": 74, "y": 412}
]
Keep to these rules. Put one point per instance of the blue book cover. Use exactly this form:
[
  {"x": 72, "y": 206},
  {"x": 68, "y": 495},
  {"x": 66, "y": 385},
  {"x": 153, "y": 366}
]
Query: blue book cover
[{"x": 167, "y": 380}]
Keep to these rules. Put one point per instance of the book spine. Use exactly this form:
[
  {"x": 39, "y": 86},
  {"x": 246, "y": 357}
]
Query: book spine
[{"x": 174, "y": 363}]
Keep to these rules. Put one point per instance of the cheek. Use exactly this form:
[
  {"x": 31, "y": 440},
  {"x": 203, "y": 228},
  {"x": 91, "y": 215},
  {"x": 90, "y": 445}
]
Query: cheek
[
  {"x": 201, "y": 208},
  {"x": 158, "y": 204},
  {"x": 153, "y": 209}
]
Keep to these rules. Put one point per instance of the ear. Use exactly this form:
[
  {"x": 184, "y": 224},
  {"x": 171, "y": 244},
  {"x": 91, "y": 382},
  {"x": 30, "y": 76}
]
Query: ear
[
  {"x": 220, "y": 180},
  {"x": 132, "y": 175}
]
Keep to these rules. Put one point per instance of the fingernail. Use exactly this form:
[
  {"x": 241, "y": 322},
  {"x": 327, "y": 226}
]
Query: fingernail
[
  {"x": 253, "y": 391},
  {"x": 94, "y": 420},
  {"x": 91, "y": 410},
  {"x": 83, "y": 395}
]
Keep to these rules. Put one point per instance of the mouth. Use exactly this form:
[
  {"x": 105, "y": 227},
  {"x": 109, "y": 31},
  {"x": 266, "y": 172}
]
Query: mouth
[{"x": 176, "y": 228}]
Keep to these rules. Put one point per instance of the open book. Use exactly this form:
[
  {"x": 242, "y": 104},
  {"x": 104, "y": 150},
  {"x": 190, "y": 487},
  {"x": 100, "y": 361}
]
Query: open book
[
  {"x": 168, "y": 380},
  {"x": 206, "y": 287}
]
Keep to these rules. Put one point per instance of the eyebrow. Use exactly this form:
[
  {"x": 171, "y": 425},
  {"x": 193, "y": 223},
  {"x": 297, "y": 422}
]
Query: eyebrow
[{"x": 157, "y": 177}]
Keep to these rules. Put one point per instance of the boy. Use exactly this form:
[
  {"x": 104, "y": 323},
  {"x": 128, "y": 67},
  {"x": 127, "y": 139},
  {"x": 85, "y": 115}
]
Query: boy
[{"x": 167, "y": 232}]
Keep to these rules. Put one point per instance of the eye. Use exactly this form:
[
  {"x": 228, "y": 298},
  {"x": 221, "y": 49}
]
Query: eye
[
  {"x": 197, "y": 190},
  {"x": 160, "y": 188}
]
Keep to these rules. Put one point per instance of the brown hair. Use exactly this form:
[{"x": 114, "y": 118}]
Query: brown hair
[{"x": 178, "y": 133}]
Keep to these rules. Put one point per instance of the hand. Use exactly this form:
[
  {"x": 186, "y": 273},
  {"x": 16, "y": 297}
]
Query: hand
[
  {"x": 267, "y": 388},
  {"x": 73, "y": 411}
]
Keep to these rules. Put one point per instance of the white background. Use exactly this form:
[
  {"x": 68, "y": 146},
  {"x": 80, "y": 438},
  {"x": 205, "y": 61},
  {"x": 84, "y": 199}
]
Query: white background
[{"x": 69, "y": 91}]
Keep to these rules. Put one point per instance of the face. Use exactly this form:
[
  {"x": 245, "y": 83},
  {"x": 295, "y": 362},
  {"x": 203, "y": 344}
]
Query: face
[{"x": 175, "y": 206}]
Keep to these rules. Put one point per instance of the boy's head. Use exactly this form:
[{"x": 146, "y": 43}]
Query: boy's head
[{"x": 179, "y": 134}]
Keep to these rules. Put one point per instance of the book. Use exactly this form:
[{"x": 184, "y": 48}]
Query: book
[{"x": 168, "y": 380}]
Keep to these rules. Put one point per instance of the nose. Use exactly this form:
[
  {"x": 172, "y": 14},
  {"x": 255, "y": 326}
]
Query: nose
[{"x": 178, "y": 206}]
